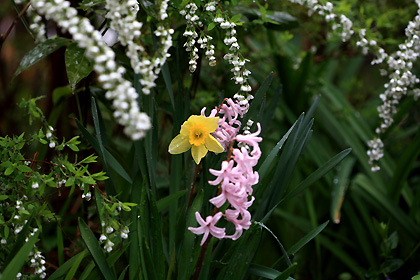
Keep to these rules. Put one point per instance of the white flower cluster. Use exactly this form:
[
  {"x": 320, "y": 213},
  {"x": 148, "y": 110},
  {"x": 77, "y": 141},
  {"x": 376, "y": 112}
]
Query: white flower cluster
[
  {"x": 122, "y": 15},
  {"x": 51, "y": 137},
  {"x": 119, "y": 90},
  {"x": 402, "y": 81},
  {"x": 37, "y": 26},
  {"x": 192, "y": 20},
  {"x": 240, "y": 72},
  {"x": 37, "y": 260},
  {"x": 204, "y": 44},
  {"x": 375, "y": 153},
  {"x": 340, "y": 24},
  {"x": 109, "y": 234}
]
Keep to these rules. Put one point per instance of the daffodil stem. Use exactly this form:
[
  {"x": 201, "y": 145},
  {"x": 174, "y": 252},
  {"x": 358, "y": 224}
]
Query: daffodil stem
[
  {"x": 197, "y": 168},
  {"x": 215, "y": 210}
]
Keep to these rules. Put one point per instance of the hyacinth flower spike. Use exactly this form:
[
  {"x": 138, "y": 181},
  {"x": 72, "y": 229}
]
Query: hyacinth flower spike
[{"x": 195, "y": 135}]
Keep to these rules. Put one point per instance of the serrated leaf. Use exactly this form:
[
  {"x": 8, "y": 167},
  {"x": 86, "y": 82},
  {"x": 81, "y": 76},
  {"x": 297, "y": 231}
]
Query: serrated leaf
[
  {"x": 39, "y": 52},
  {"x": 77, "y": 65}
]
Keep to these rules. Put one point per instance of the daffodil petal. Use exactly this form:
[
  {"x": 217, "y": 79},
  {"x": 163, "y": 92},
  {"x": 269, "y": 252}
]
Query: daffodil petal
[
  {"x": 213, "y": 145},
  {"x": 186, "y": 126},
  {"x": 179, "y": 145},
  {"x": 198, "y": 152},
  {"x": 212, "y": 124}
]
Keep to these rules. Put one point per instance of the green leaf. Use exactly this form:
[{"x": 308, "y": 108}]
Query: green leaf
[
  {"x": 95, "y": 250},
  {"x": 40, "y": 51},
  {"x": 74, "y": 147},
  {"x": 4, "y": 197},
  {"x": 9, "y": 171},
  {"x": 235, "y": 18},
  {"x": 24, "y": 168},
  {"x": 77, "y": 65},
  {"x": 58, "y": 94},
  {"x": 211, "y": 26},
  {"x": 392, "y": 265},
  {"x": 19, "y": 259},
  {"x": 417, "y": 277}
]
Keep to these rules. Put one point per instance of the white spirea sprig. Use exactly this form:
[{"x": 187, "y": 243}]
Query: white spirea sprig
[
  {"x": 340, "y": 25},
  {"x": 402, "y": 82},
  {"x": 37, "y": 27},
  {"x": 122, "y": 15},
  {"x": 119, "y": 90},
  {"x": 189, "y": 12}
]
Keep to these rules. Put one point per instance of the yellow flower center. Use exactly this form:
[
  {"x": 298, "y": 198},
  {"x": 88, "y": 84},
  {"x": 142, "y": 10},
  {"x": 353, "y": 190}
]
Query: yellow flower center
[{"x": 198, "y": 134}]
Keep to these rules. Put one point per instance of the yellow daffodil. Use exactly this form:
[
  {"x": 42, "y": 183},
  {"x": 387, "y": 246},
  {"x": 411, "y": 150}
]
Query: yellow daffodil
[{"x": 195, "y": 134}]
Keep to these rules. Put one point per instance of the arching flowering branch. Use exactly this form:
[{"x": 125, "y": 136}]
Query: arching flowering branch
[{"x": 119, "y": 90}]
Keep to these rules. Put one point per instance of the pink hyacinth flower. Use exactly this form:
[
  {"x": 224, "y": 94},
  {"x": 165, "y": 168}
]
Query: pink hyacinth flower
[
  {"x": 252, "y": 139},
  {"x": 240, "y": 224},
  {"x": 208, "y": 227}
]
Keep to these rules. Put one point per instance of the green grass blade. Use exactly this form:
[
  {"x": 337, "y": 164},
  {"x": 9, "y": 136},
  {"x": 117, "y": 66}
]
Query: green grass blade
[
  {"x": 317, "y": 174},
  {"x": 287, "y": 272},
  {"x": 340, "y": 187},
  {"x": 13, "y": 268},
  {"x": 60, "y": 247},
  {"x": 236, "y": 267},
  {"x": 20, "y": 241},
  {"x": 389, "y": 206},
  {"x": 133, "y": 237},
  {"x": 167, "y": 201},
  {"x": 306, "y": 239},
  {"x": 62, "y": 270},
  {"x": 265, "y": 166},
  {"x": 264, "y": 271},
  {"x": 187, "y": 260},
  {"x": 258, "y": 98},
  {"x": 75, "y": 266},
  {"x": 310, "y": 180},
  {"x": 404, "y": 167},
  {"x": 168, "y": 82},
  {"x": 95, "y": 250}
]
